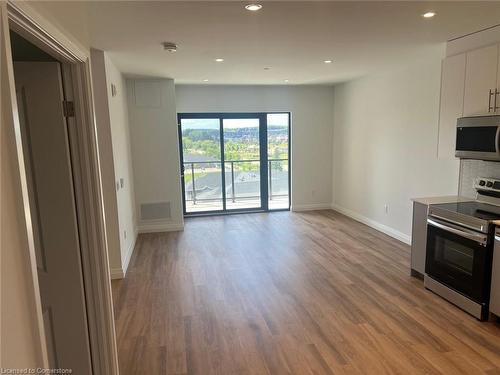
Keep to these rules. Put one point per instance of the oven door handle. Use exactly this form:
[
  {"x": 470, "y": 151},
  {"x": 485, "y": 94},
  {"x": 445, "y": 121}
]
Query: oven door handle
[{"x": 477, "y": 237}]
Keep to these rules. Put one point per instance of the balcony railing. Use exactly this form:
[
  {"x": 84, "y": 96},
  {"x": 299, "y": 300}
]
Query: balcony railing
[{"x": 232, "y": 168}]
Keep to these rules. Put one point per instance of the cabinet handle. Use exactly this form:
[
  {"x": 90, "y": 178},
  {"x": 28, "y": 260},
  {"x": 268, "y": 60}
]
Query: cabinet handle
[
  {"x": 489, "y": 101},
  {"x": 495, "y": 102}
]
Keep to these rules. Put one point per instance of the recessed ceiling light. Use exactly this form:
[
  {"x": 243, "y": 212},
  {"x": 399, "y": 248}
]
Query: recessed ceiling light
[
  {"x": 219, "y": 59},
  {"x": 328, "y": 61},
  {"x": 253, "y": 7},
  {"x": 429, "y": 14},
  {"x": 205, "y": 80},
  {"x": 286, "y": 81}
]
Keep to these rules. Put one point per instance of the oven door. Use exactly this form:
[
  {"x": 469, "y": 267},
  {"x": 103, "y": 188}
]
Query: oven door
[{"x": 459, "y": 258}]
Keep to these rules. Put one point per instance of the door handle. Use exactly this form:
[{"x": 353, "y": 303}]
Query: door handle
[
  {"x": 495, "y": 101},
  {"x": 482, "y": 239},
  {"x": 489, "y": 100}
]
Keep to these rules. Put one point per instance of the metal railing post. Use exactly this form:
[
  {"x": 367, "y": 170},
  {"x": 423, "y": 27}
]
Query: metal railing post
[
  {"x": 270, "y": 181},
  {"x": 194, "y": 189},
  {"x": 232, "y": 181}
]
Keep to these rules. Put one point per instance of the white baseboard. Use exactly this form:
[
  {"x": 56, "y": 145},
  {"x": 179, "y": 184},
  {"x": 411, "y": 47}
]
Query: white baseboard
[
  {"x": 160, "y": 227},
  {"x": 116, "y": 273},
  {"x": 311, "y": 207},
  {"x": 129, "y": 253},
  {"x": 374, "y": 224},
  {"x": 119, "y": 273}
]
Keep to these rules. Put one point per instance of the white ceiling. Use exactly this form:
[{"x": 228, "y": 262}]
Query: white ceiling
[{"x": 292, "y": 38}]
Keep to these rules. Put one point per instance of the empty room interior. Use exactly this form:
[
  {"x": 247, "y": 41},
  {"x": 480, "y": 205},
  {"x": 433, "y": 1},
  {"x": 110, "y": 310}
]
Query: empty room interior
[{"x": 227, "y": 187}]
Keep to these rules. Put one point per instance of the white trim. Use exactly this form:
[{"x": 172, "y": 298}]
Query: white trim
[
  {"x": 116, "y": 273},
  {"x": 374, "y": 224},
  {"x": 121, "y": 272},
  {"x": 128, "y": 255},
  {"x": 160, "y": 227},
  {"x": 28, "y": 21},
  {"x": 311, "y": 207},
  {"x": 11, "y": 129}
]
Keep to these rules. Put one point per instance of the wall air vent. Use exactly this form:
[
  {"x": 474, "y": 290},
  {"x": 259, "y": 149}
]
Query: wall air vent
[{"x": 155, "y": 211}]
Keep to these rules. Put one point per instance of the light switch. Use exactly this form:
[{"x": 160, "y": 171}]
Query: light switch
[{"x": 122, "y": 182}]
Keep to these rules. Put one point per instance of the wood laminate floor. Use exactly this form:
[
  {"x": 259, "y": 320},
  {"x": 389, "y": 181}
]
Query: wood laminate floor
[{"x": 288, "y": 293}]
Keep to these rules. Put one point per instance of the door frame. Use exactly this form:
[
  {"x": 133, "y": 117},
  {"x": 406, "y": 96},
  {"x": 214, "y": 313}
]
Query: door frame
[
  {"x": 262, "y": 116},
  {"x": 75, "y": 62}
]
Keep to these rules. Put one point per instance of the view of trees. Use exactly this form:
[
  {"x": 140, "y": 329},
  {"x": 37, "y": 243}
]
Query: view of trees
[{"x": 239, "y": 144}]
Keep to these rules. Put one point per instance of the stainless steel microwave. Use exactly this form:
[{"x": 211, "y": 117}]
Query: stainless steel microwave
[{"x": 478, "y": 138}]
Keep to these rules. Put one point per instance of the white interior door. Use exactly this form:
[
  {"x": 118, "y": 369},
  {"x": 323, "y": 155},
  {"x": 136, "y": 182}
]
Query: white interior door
[{"x": 52, "y": 205}]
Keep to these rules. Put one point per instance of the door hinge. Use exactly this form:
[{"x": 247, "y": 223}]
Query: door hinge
[{"x": 68, "y": 108}]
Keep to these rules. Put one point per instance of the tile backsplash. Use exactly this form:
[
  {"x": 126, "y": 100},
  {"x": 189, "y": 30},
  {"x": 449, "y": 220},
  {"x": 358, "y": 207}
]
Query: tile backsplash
[{"x": 470, "y": 169}]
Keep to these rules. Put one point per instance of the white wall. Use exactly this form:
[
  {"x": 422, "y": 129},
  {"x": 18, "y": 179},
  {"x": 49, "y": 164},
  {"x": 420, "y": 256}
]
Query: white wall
[
  {"x": 122, "y": 158},
  {"x": 104, "y": 140},
  {"x": 115, "y": 161},
  {"x": 385, "y": 145},
  {"x": 155, "y": 150},
  {"x": 312, "y": 115}
]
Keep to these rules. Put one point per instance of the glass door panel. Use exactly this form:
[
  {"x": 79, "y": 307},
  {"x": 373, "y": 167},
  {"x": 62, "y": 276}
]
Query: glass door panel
[
  {"x": 242, "y": 162},
  {"x": 278, "y": 160},
  {"x": 202, "y": 164}
]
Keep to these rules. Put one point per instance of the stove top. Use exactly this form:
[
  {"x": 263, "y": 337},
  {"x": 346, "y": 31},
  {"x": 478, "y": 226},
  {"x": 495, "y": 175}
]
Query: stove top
[
  {"x": 476, "y": 214},
  {"x": 479, "y": 210}
]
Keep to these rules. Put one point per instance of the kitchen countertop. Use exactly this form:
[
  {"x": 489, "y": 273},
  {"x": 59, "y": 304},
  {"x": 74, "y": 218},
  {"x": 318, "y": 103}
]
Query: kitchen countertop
[{"x": 443, "y": 199}]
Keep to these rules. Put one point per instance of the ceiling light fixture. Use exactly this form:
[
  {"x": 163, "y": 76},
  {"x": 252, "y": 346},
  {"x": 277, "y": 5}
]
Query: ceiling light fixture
[
  {"x": 429, "y": 14},
  {"x": 267, "y": 68},
  {"x": 169, "y": 46},
  {"x": 219, "y": 59},
  {"x": 328, "y": 61},
  {"x": 253, "y": 7},
  {"x": 205, "y": 80},
  {"x": 286, "y": 81}
]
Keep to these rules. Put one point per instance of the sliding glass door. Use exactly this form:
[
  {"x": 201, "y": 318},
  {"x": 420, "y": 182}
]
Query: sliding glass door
[
  {"x": 202, "y": 178},
  {"x": 231, "y": 163},
  {"x": 242, "y": 161},
  {"x": 278, "y": 154}
]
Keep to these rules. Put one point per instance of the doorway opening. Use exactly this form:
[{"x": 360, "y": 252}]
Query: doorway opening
[
  {"x": 39, "y": 86},
  {"x": 235, "y": 162}
]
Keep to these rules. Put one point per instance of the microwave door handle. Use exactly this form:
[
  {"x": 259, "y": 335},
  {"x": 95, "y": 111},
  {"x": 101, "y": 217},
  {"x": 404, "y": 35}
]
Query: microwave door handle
[
  {"x": 477, "y": 237},
  {"x": 497, "y": 140}
]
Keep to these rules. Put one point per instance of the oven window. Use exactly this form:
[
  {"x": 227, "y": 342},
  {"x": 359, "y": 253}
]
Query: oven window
[{"x": 454, "y": 255}]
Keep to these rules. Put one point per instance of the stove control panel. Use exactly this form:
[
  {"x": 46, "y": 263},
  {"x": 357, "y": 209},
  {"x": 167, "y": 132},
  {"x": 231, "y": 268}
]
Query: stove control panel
[{"x": 487, "y": 184}]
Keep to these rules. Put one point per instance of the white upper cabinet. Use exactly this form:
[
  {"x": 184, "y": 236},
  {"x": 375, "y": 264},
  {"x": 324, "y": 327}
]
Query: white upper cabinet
[
  {"x": 480, "y": 81},
  {"x": 451, "y": 103}
]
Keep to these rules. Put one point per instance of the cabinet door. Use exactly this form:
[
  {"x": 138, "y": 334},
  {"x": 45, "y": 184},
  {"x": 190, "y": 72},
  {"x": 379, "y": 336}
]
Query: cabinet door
[
  {"x": 497, "y": 104},
  {"x": 480, "y": 77},
  {"x": 451, "y": 103}
]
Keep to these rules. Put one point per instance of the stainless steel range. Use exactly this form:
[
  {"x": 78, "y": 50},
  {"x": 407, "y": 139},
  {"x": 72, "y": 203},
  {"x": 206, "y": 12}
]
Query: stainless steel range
[{"x": 459, "y": 250}]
